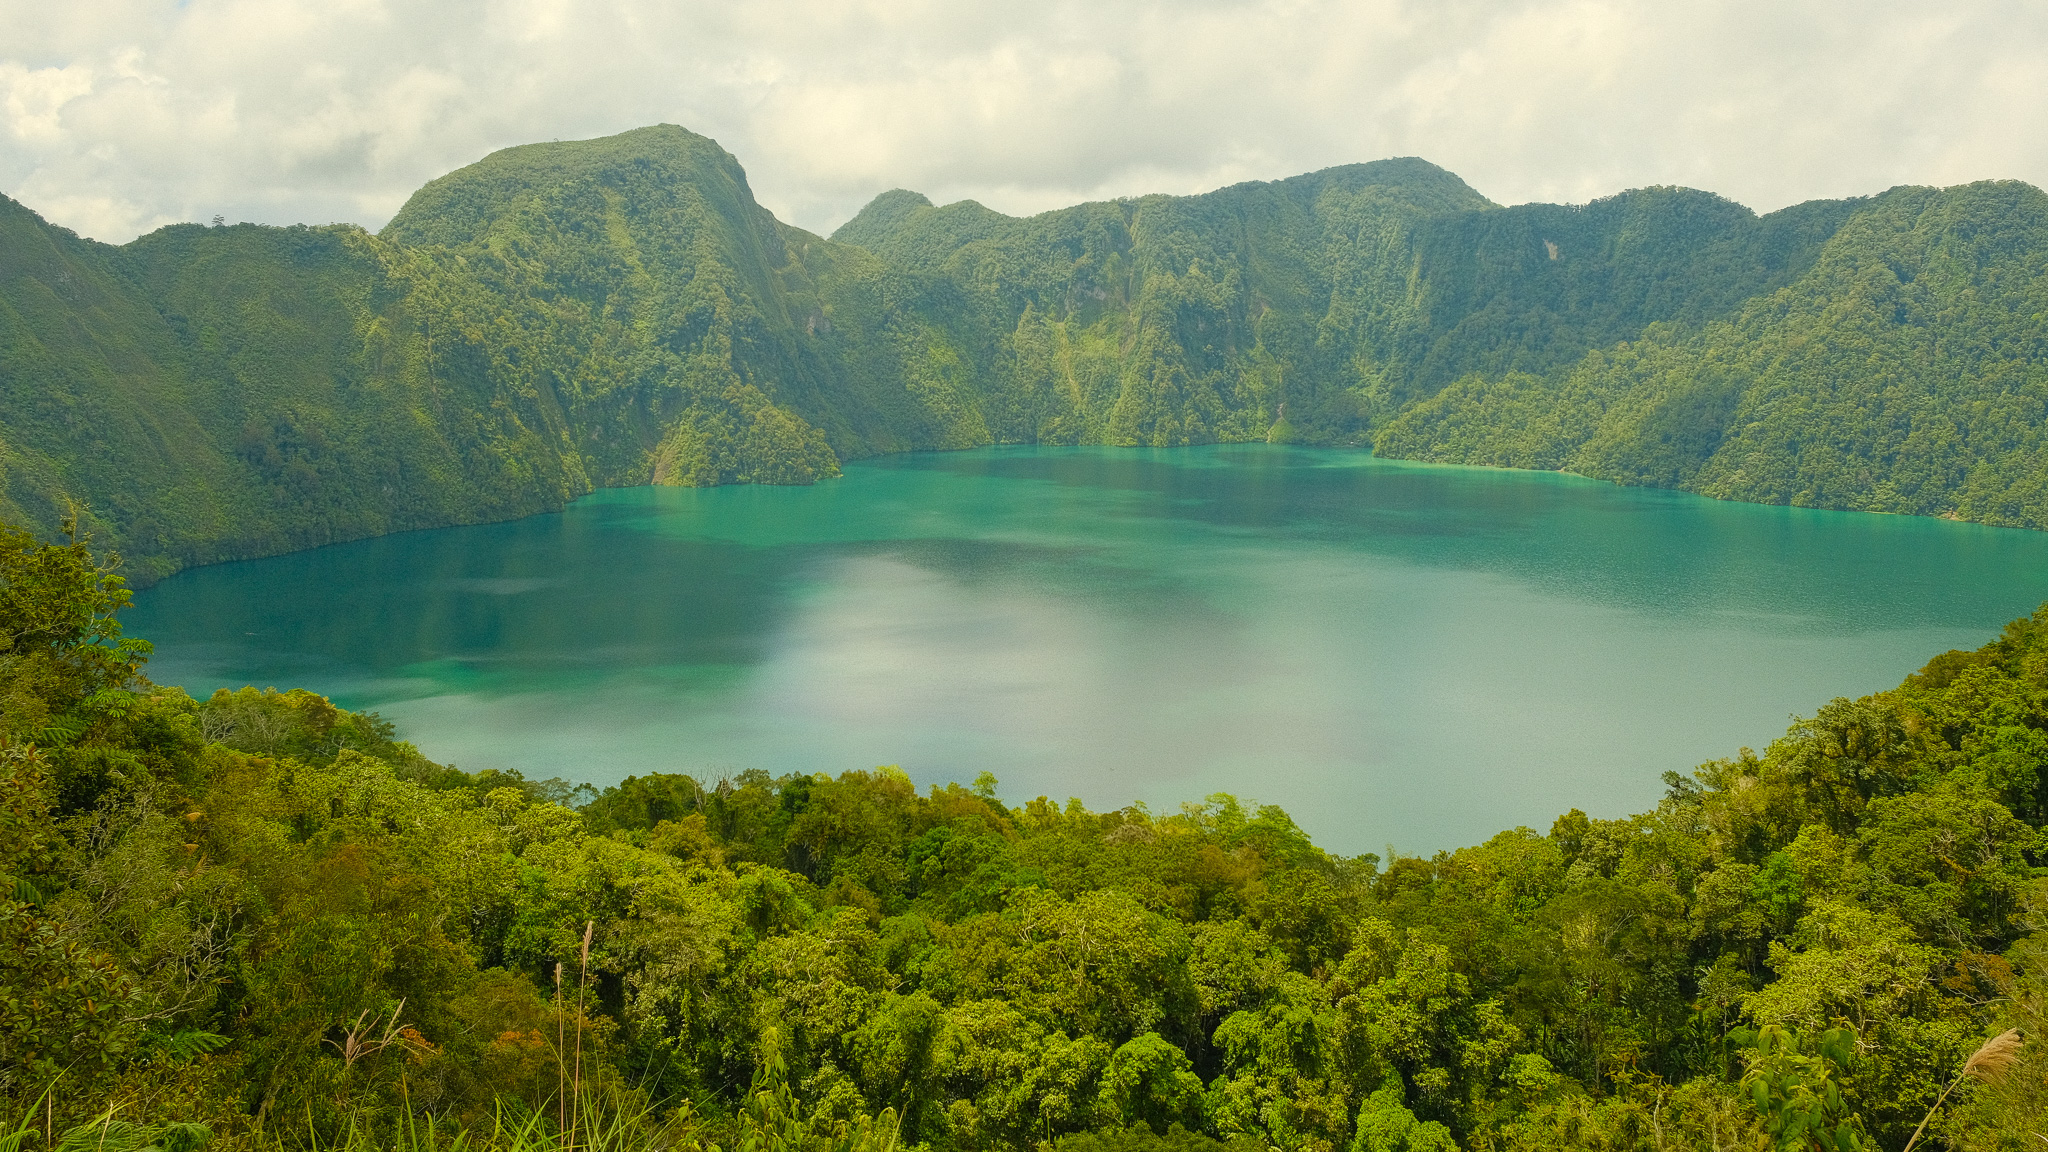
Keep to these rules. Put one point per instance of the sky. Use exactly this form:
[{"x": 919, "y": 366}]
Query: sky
[{"x": 117, "y": 116}]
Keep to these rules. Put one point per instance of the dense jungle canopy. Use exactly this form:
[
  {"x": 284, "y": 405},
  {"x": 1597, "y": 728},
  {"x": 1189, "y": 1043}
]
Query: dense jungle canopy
[{"x": 619, "y": 311}]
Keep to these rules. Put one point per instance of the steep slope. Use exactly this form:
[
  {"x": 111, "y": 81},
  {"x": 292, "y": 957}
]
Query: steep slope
[
  {"x": 310, "y": 369},
  {"x": 562, "y": 316},
  {"x": 1346, "y": 295},
  {"x": 1902, "y": 371},
  {"x": 207, "y": 394},
  {"x": 629, "y": 287},
  {"x": 671, "y": 329},
  {"x": 550, "y": 319},
  {"x": 91, "y": 388},
  {"x": 1531, "y": 288},
  {"x": 1170, "y": 320}
]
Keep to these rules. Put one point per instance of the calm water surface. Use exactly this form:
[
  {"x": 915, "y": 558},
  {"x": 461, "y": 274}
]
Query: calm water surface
[{"x": 1398, "y": 654}]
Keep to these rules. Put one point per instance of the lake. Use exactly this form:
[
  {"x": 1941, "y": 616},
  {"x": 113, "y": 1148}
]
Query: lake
[{"x": 1398, "y": 654}]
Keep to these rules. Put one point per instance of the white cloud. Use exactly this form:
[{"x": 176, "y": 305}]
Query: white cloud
[
  {"x": 118, "y": 115},
  {"x": 36, "y": 97}
]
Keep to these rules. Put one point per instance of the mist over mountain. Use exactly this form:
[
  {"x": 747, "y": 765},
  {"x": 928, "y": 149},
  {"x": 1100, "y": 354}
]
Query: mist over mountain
[{"x": 559, "y": 317}]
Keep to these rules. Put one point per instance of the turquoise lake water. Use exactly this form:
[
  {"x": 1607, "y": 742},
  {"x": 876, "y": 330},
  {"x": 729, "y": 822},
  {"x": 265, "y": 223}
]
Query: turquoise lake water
[{"x": 1396, "y": 653}]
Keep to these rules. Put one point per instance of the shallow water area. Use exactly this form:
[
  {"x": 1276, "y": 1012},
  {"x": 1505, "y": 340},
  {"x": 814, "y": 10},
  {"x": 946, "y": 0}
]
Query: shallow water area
[{"x": 1396, "y": 653}]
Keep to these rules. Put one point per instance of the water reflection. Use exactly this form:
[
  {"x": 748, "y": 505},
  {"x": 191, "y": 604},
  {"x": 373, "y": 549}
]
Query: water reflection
[{"x": 1395, "y": 652}]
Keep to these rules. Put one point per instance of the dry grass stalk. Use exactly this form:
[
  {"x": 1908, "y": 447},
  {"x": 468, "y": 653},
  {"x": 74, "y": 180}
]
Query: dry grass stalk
[
  {"x": 1990, "y": 1063},
  {"x": 1987, "y": 1065},
  {"x": 582, "y": 976},
  {"x": 362, "y": 1039},
  {"x": 561, "y": 1067}
]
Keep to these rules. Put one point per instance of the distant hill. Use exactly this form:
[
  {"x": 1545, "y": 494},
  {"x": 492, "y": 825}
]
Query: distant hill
[{"x": 558, "y": 317}]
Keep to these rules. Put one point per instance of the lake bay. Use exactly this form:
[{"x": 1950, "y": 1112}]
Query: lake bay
[{"x": 1396, "y": 653}]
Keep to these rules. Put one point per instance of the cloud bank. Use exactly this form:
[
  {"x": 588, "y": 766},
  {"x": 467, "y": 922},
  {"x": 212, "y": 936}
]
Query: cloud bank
[{"x": 117, "y": 116}]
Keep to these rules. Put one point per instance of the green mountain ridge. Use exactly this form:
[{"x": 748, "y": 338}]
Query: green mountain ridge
[{"x": 559, "y": 317}]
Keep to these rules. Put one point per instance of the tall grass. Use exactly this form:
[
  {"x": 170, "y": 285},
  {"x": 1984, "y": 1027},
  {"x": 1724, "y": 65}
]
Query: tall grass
[
  {"x": 611, "y": 1121},
  {"x": 104, "y": 1133}
]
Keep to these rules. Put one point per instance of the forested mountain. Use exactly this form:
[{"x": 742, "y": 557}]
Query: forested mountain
[
  {"x": 1901, "y": 371},
  {"x": 264, "y": 921},
  {"x": 618, "y": 311},
  {"x": 219, "y": 392}
]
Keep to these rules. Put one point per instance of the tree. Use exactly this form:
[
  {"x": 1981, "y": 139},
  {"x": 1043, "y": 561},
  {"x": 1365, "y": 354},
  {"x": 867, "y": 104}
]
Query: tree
[{"x": 1795, "y": 1085}]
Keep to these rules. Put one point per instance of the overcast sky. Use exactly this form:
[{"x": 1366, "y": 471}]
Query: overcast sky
[{"x": 120, "y": 115}]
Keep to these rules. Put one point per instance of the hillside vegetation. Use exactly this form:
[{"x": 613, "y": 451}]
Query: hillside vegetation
[
  {"x": 563, "y": 316},
  {"x": 261, "y": 920}
]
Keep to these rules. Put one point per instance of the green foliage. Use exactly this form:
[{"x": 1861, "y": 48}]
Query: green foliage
[
  {"x": 772, "y": 1119},
  {"x": 1174, "y": 1139},
  {"x": 68, "y": 669},
  {"x": 269, "y": 916},
  {"x": 1794, "y": 1085},
  {"x": 111, "y": 1135},
  {"x": 184, "y": 1044},
  {"x": 1894, "y": 368},
  {"x": 1386, "y": 1125}
]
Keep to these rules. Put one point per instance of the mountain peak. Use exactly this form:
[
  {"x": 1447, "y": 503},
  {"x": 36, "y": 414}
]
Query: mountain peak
[
  {"x": 881, "y": 216},
  {"x": 459, "y": 206}
]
